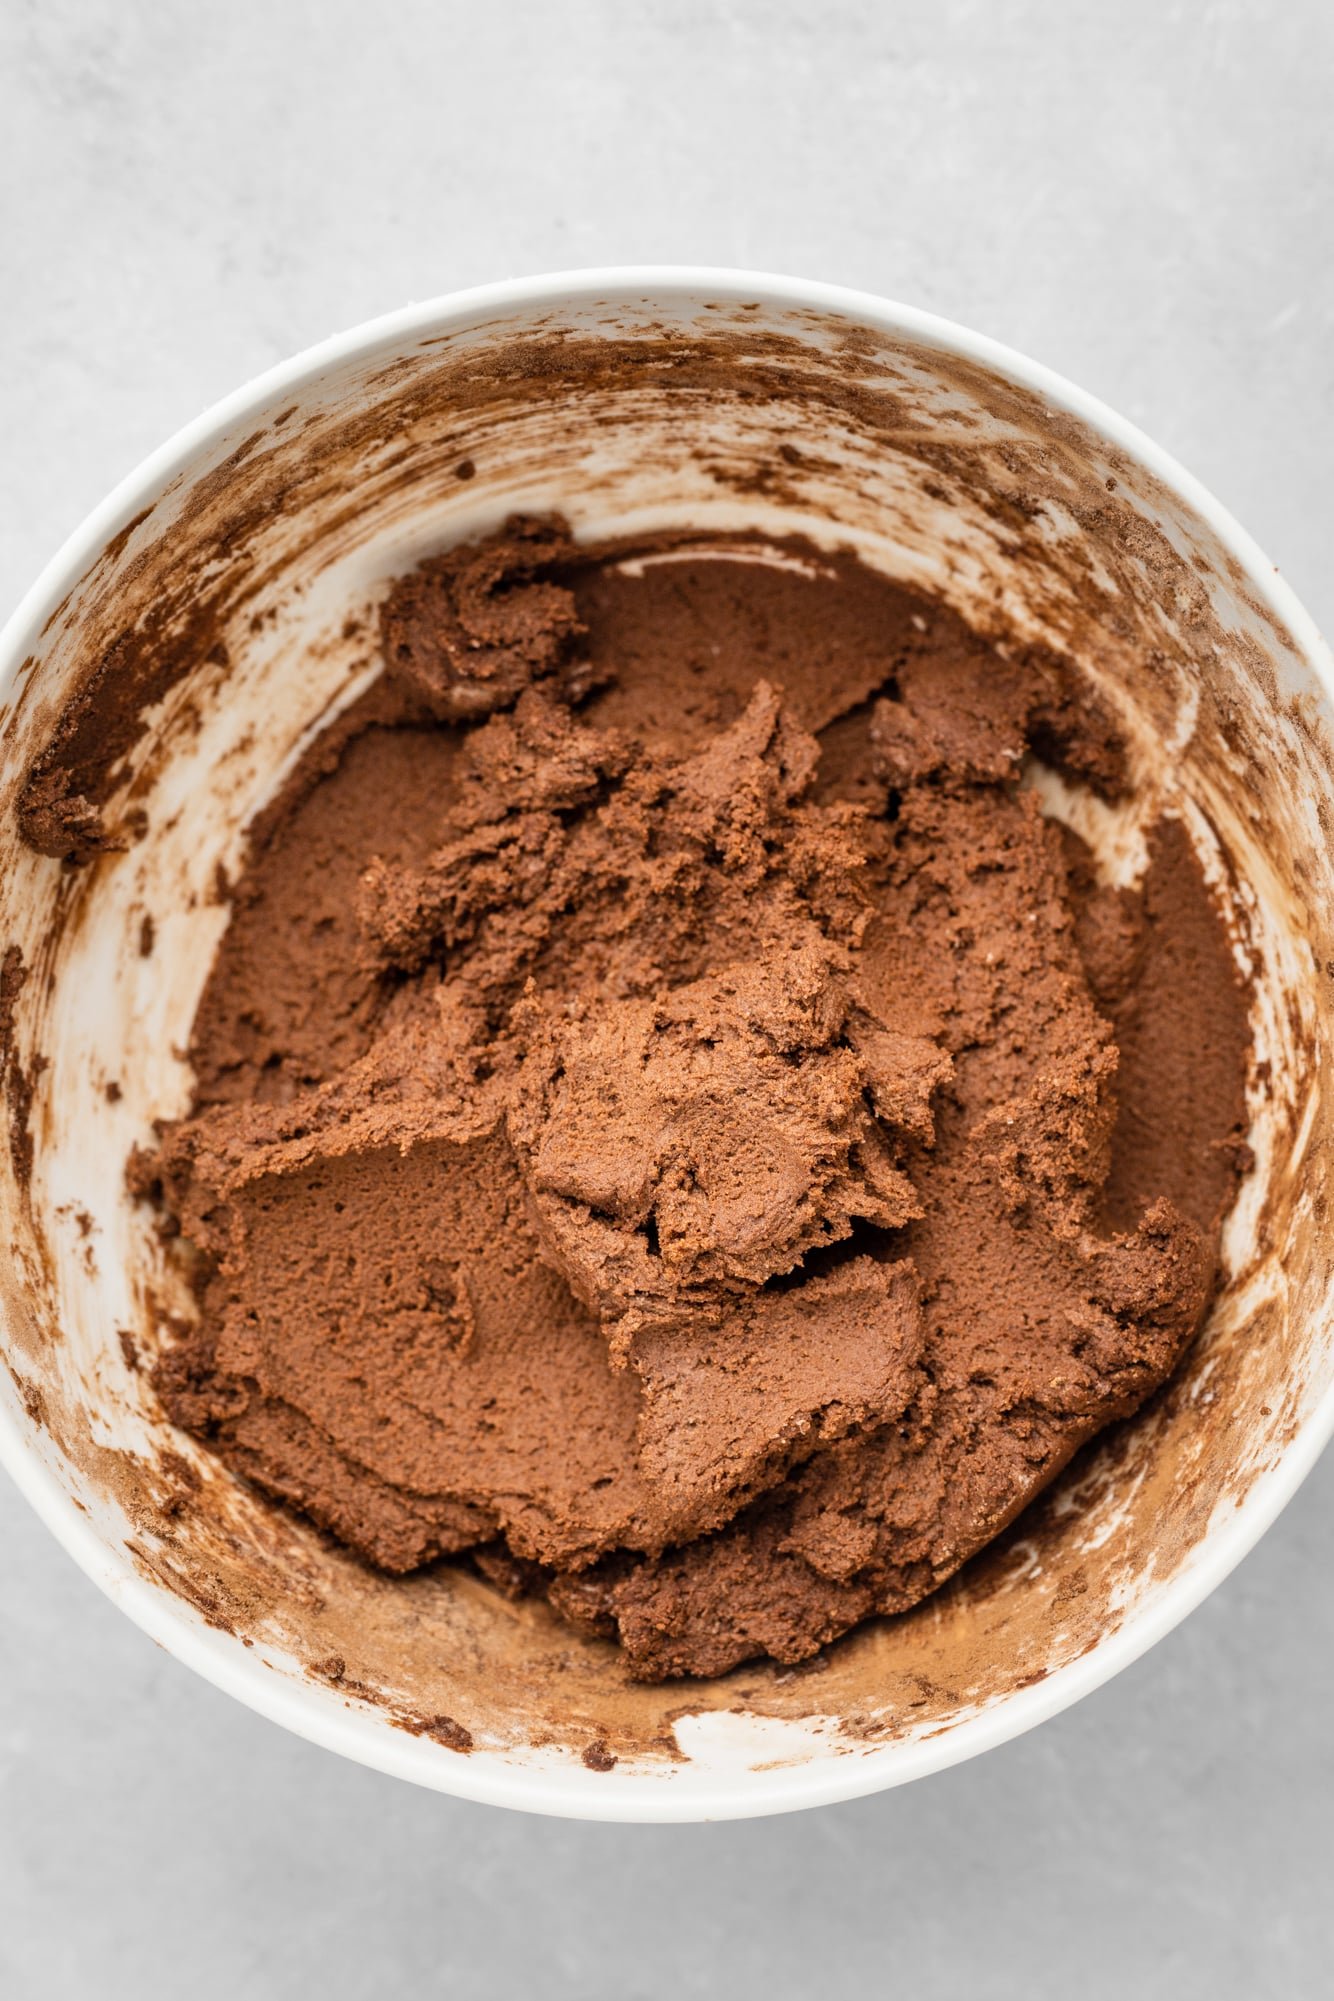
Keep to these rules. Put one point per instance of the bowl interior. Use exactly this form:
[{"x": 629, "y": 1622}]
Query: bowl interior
[{"x": 228, "y": 608}]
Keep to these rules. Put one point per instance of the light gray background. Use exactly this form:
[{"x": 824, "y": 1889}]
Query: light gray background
[{"x": 1141, "y": 195}]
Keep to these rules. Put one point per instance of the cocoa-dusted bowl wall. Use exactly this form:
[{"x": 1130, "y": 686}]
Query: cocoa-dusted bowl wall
[{"x": 161, "y": 682}]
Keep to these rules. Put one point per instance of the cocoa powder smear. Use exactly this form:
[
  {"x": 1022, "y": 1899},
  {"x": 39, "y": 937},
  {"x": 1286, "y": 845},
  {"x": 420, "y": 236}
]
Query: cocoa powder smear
[{"x": 676, "y": 1126}]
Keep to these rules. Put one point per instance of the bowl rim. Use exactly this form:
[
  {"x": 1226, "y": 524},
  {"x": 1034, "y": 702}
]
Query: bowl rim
[{"x": 573, "y": 1791}]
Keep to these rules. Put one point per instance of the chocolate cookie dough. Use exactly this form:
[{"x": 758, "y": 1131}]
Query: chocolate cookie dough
[{"x": 675, "y": 1122}]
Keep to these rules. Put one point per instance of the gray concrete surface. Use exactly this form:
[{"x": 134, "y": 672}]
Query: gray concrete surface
[{"x": 1139, "y": 195}]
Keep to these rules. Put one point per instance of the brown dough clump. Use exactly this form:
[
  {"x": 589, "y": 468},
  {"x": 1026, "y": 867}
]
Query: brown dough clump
[{"x": 674, "y": 1120}]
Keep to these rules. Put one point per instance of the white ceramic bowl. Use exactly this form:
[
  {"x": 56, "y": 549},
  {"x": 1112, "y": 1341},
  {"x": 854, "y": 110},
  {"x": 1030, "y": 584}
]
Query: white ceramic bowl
[{"x": 634, "y": 396}]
